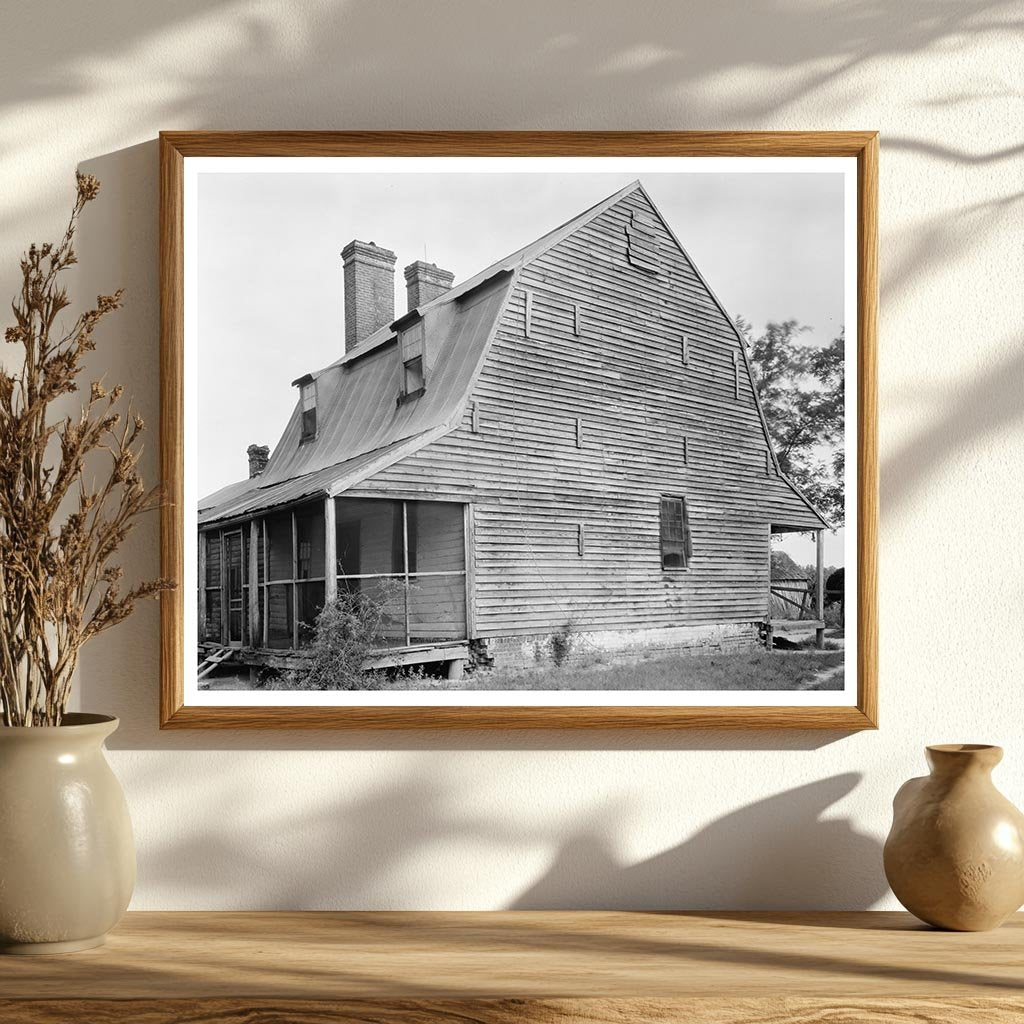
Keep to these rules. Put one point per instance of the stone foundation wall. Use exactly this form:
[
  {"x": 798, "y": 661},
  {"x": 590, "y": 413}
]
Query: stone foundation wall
[{"x": 563, "y": 647}]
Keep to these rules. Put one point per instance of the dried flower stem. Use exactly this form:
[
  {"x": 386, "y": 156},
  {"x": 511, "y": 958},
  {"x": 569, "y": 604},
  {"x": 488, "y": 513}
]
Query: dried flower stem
[{"x": 58, "y": 585}]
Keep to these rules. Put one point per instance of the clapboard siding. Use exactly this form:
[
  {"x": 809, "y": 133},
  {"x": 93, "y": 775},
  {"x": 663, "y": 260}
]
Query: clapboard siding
[{"x": 650, "y": 426}]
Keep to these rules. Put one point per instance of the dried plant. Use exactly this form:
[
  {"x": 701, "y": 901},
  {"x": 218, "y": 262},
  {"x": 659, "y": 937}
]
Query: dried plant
[{"x": 58, "y": 535}]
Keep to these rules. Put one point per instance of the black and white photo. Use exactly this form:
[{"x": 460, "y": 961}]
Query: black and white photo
[{"x": 520, "y": 431}]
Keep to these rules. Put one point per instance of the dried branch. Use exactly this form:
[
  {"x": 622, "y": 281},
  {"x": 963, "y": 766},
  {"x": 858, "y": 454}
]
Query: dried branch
[{"x": 58, "y": 584}]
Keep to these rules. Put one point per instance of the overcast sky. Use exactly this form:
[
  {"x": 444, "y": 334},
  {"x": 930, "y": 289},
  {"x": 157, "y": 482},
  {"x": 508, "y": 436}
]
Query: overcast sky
[{"x": 270, "y": 278}]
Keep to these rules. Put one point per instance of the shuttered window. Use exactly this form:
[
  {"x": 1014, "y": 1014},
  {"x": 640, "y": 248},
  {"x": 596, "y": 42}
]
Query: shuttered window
[
  {"x": 308, "y": 392},
  {"x": 676, "y": 546},
  {"x": 414, "y": 375},
  {"x": 642, "y": 248}
]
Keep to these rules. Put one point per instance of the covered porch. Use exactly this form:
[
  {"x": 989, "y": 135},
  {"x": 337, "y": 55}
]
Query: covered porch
[
  {"x": 804, "y": 606},
  {"x": 264, "y": 579}
]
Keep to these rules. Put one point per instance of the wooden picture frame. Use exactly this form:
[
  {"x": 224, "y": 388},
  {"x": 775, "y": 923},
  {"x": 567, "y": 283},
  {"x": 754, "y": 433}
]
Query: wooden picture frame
[{"x": 176, "y": 147}]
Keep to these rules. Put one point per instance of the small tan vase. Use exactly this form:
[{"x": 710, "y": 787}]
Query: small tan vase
[
  {"x": 955, "y": 854},
  {"x": 67, "y": 859}
]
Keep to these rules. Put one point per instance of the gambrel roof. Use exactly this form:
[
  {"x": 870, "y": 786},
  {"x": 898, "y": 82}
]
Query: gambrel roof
[{"x": 362, "y": 428}]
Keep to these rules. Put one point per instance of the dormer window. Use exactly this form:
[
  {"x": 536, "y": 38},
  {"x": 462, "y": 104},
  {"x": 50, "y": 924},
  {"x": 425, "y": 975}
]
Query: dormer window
[
  {"x": 307, "y": 391},
  {"x": 414, "y": 378}
]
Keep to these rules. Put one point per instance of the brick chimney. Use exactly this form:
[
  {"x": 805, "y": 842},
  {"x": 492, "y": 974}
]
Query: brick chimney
[
  {"x": 425, "y": 281},
  {"x": 259, "y": 456},
  {"x": 369, "y": 273}
]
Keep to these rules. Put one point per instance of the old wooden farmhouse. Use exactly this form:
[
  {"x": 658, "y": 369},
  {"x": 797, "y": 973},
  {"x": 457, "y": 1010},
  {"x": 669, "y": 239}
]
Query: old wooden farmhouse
[{"x": 562, "y": 454}]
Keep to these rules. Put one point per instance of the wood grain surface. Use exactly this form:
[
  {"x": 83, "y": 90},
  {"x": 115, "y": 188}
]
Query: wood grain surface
[
  {"x": 995, "y": 1010},
  {"x": 524, "y": 966},
  {"x": 176, "y": 146}
]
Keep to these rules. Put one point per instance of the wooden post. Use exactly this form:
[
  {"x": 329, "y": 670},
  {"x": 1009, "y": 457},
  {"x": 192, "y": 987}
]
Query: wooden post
[
  {"x": 405, "y": 566},
  {"x": 254, "y": 583},
  {"x": 202, "y": 587},
  {"x": 266, "y": 585},
  {"x": 295, "y": 583},
  {"x": 330, "y": 550},
  {"x": 819, "y": 599},
  {"x": 469, "y": 533}
]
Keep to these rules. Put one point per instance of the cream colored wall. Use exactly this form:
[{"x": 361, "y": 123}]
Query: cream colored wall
[{"x": 326, "y": 820}]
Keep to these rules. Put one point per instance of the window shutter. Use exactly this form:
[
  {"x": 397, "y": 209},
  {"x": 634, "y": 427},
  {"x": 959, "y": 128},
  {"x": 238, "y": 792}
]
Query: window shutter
[
  {"x": 687, "y": 539},
  {"x": 676, "y": 546},
  {"x": 685, "y": 350},
  {"x": 577, "y": 320},
  {"x": 642, "y": 249},
  {"x": 528, "y": 322}
]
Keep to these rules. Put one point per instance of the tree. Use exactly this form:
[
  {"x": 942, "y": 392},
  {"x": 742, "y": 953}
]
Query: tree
[{"x": 802, "y": 389}]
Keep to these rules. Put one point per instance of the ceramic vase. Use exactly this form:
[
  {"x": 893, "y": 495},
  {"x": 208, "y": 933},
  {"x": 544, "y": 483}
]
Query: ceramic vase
[
  {"x": 67, "y": 858},
  {"x": 955, "y": 854}
]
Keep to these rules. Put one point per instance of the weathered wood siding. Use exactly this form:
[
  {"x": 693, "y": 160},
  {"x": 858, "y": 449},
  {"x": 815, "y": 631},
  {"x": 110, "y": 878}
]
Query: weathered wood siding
[{"x": 650, "y": 426}]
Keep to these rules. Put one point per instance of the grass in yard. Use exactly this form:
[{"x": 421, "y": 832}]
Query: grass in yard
[
  {"x": 780, "y": 670},
  {"x": 798, "y": 670}
]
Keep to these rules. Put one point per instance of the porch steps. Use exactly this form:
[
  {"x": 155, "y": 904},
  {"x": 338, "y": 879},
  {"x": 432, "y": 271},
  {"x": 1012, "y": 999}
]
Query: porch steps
[{"x": 218, "y": 657}]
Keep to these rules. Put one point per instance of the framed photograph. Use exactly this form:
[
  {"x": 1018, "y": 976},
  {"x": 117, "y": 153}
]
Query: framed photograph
[{"x": 519, "y": 430}]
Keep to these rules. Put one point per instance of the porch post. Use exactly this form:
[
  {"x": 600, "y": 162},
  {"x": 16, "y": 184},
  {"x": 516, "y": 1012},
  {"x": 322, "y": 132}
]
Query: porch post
[
  {"x": 254, "y": 584},
  {"x": 405, "y": 566},
  {"x": 330, "y": 551},
  {"x": 202, "y": 586},
  {"x": 819, "y": 598},
  {"x": 266, "y": 585},
  {"x": 295, "y": 584}
]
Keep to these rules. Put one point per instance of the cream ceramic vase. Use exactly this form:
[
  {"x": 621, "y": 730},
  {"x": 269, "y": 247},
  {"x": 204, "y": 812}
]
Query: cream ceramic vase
[
  {"x": 955, "y": 855},
  {"x": 67, "y": 859}
]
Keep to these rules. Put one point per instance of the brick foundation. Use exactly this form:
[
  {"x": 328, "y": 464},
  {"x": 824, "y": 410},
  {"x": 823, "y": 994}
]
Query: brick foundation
[{"x": 566, "y": 648}]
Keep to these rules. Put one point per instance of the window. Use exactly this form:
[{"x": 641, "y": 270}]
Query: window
[
  {"x": 642, "y": 249},
  {"x": 414, "y": 379},
  {"x": 676, "y": 546},
  {"x": 307, "y": 392},
  {"x": 415, "y": 382}
]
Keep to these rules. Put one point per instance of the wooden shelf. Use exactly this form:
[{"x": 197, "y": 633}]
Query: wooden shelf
[{"x": 501, "y": 968}]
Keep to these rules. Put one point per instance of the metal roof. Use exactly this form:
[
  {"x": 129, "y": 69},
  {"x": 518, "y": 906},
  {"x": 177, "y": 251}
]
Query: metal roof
[
  {"x": 362, "y": 427},
  {"x": 360, "y": 423},
  {"x": 238, "y": 501}
]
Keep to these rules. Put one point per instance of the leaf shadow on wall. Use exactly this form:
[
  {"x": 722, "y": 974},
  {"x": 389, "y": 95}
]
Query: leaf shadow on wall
[
  {"x": 799, "y": 859},
  {"x": 392, "y": 847},
  {"x": 357, "y": 64}
]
